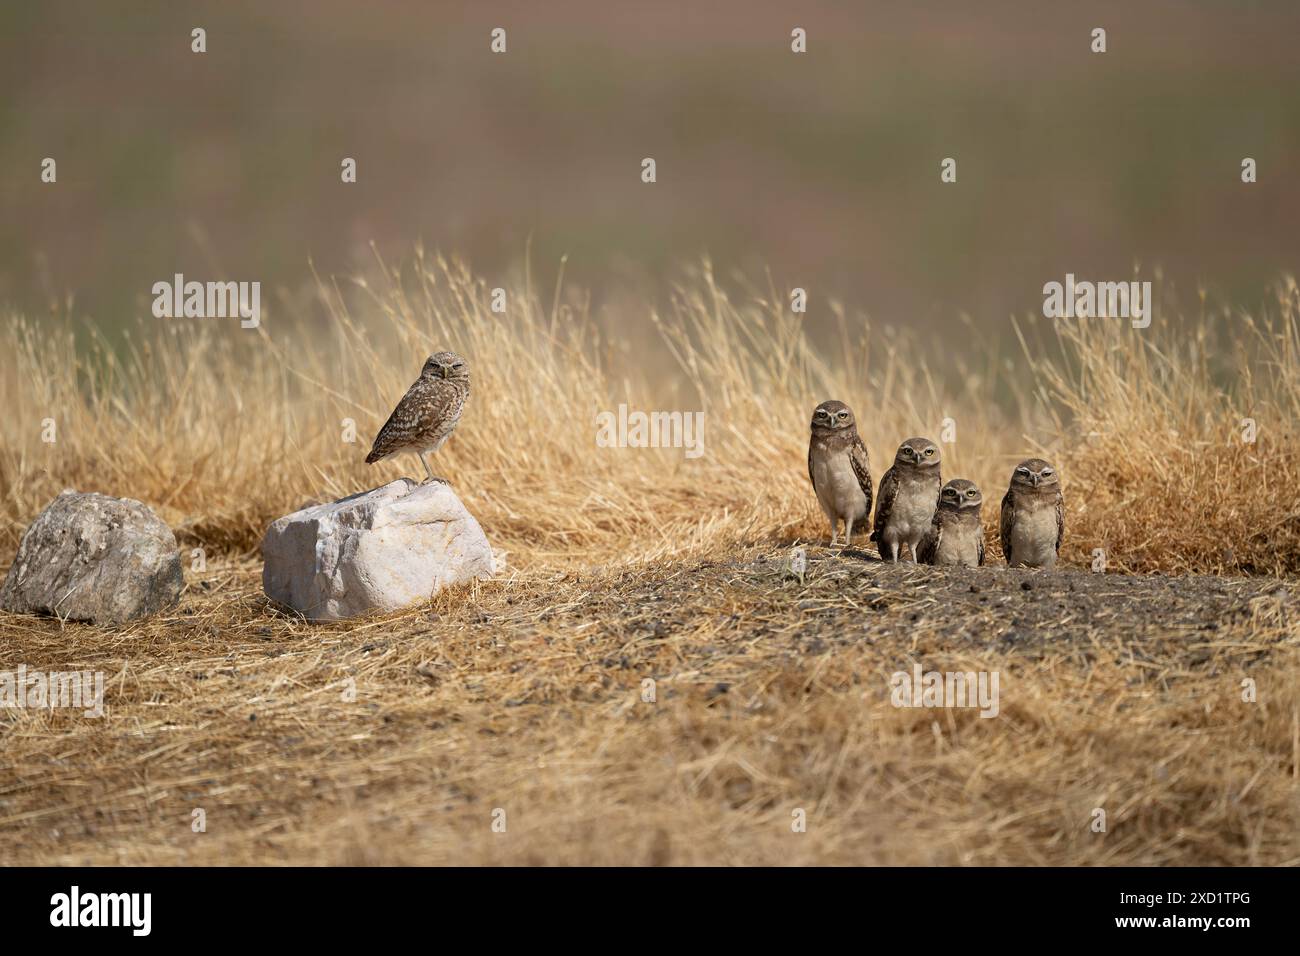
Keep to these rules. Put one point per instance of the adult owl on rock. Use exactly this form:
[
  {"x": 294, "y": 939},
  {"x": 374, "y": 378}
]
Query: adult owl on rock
[{"x": 427, "y": 414}]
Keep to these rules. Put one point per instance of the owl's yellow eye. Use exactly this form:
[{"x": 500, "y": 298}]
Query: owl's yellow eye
[
  {"x": 929, "y": 452},
  {"x": 970, "y": 494}
]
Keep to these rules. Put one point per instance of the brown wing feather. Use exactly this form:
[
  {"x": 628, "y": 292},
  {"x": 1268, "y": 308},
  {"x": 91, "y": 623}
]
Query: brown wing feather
[
  {"x": 929, "y": 546},
  {"x": 1060, "y": 521},
  {"x": 425, "y": 413},
  {"x": 861, "y": 468},
  {"x": 885, "y": 501},
  {"x": 401, "y": 424},
  {"x": 1008, "y": 519},
  {"x": 981, "y": 551},
  {"x": 810, "y": 474}
]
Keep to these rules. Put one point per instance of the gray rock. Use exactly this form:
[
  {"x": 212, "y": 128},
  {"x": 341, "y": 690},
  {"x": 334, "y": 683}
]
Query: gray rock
[
  {"x": 378, "y": 551},
  {"x": 90, "y": 557}
]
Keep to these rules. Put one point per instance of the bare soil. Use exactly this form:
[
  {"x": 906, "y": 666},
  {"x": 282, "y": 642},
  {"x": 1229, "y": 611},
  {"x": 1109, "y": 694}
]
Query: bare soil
[{"x": 524, "y": 701}]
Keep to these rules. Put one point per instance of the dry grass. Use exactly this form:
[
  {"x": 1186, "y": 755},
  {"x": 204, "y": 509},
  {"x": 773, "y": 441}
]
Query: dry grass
[
  {"x": 222, "y": 430},
  {"x": 524, "y": 693}
]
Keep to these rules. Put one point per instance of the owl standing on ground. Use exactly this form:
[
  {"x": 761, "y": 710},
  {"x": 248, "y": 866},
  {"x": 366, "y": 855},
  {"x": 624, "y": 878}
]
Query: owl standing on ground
[
  {"x": 909, "y": 493},
  {"x": 956, "y": 536},
  {"x": 838, "y": 468},
  {"x": 1033, "y": 516},
  {"x": 427, "y": 414}
]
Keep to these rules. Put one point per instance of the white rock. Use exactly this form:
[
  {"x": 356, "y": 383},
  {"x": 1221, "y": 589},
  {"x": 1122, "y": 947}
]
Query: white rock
[{"x": 378, "y": 551}]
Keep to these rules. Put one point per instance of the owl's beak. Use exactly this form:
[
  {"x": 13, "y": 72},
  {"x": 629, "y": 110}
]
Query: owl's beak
[
  {"x": 443, "y": 370},
  {"x": 1036, "y": 479}
]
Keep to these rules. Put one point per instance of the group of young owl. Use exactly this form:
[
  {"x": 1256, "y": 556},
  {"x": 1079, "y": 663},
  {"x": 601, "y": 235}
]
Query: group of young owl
[{"x": 916, "y": 512}]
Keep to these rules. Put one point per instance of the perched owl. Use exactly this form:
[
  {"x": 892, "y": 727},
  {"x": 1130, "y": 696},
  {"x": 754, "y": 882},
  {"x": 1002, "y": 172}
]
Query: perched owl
[
  {"x": 427, "y": 413},
  {"x": 1033, "y": 516},
  {"x": 956, "y": 536},
  {"x": 838, "y": 468},
  {"x": 908, "y": 495}
]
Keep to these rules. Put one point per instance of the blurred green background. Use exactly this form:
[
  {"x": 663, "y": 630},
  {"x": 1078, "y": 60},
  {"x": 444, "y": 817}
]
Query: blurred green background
[{"x": 822, "y": 167}]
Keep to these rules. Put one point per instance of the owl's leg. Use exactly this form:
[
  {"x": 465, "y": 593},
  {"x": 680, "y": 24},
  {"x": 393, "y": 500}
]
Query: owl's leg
[
  {"x": 893, "y": 551},
  {"x": 848, "y": 532},
  {"x": 432, "y": 477}
]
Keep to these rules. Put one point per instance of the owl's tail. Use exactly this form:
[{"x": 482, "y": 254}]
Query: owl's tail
[{"x": 374, "y": 456}]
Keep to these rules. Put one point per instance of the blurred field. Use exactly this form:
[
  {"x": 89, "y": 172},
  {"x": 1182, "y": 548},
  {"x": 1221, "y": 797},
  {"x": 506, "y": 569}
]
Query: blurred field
[
  {"x": 523, "y": 692},
  {"x": 823, "y": 167}
]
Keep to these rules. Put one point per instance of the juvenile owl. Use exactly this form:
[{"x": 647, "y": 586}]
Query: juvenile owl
[
  {"x": 956, "y": 537},
  {"x": 838, "y": 468},
  {"x": 428, "y": 412},
  {"x": 909, "y": 493},
  {"x": 1033, "y": 516}
]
